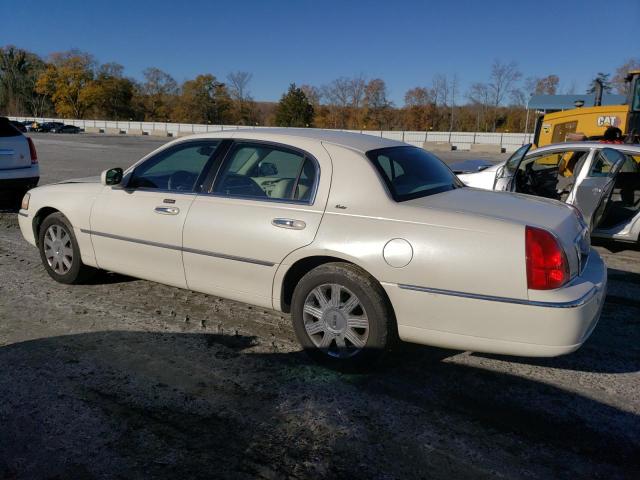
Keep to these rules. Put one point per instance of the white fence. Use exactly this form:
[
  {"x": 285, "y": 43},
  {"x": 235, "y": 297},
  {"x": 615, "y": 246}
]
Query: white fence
[{"x": 460, "y": 140}]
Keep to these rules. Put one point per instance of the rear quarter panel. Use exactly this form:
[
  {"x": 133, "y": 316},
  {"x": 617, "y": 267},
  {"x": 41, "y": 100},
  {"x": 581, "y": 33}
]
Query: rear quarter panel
[{"x": 451, "y": 251}]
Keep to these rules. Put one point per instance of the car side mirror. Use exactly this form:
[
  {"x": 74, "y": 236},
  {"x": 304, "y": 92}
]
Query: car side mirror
[
  {"x": 113, "y": 176},
  {"x": 500, "y": 172}
]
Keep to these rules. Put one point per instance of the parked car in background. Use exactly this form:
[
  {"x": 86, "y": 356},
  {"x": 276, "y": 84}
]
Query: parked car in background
[
  {"x": 28, "y": 125},
  {"x": 65, "y": 129},
  {"x": 57, "y": 127},
  {"x": 602, "y": 180},
  {"x": 18, "y": 125},
  {"x": 19, "y": 170},
  {"x": 361, "y": 238},
  {"x": 46, "y": 127}
]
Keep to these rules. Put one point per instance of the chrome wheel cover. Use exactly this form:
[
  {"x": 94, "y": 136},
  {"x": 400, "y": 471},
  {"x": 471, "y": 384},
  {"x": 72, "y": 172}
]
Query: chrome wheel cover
[
  {"x": 335, "y": 320},
  {"x": 58, "y": 249}
]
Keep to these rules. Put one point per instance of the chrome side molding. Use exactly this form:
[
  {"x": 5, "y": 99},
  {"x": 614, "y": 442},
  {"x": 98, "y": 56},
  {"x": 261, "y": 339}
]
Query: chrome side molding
[
  {"x": 532, "y": 303},
  {"x": 181, "y": 249}
]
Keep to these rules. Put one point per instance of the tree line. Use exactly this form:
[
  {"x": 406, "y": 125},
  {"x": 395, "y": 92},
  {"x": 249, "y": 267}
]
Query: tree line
[{"x": 73, "y": 84}]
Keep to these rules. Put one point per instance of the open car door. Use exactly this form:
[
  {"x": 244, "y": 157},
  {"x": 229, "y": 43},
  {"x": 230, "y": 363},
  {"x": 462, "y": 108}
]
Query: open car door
[
  {"x": 594, "y": 191},
  {"x": 506, "y": 174}
]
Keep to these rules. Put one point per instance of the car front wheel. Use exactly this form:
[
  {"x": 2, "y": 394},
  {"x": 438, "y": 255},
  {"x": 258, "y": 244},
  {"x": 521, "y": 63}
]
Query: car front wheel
[
  {"x": 341, "y": 315},
  {"x": 59, "y": 251}
]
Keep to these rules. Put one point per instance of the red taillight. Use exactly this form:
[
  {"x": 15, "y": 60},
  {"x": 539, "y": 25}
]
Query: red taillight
[
  {"x": 32, "y": 151},
  {"x": 547, "y": 266}
]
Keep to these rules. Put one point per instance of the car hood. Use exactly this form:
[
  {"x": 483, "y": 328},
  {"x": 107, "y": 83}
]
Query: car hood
[
  {"x": 470, "y": 166},
  {"x": 95, "y": 179}
]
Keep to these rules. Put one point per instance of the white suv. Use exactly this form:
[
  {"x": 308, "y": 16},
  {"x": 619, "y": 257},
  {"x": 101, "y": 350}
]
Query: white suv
[{"x": 19, "y": 169}]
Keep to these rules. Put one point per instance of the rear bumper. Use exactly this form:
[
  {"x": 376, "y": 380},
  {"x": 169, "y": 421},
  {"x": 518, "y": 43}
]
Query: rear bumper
[
  {"x": 18, "y": 184},
  {"x": 19, "y": 178},
  {"x": 556, "y": 325}
]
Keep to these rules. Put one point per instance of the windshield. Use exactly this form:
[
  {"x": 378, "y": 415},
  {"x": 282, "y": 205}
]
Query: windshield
[
  {"x": 411, "y": 172},
  {"x": 512, "y": 164},
  {"x": 636, "y": 96}
]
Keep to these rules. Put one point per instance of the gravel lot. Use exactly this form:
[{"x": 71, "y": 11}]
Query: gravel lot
[{"x": 125, "y": 378}]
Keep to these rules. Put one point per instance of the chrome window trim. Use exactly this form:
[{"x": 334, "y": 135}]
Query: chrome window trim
[
  {"x": 178, "y": 248},
  {"x": 155, "y": 190},
  {"x": 256, "y": 199},
  {"x": 306, "y": 155},
  {"x": 517, "y": 301}
]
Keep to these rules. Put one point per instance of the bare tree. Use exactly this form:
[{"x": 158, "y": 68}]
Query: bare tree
[
  {"x": 358, "y": 91},
  {"x": 453, "y": 88},
  {"x": 377, "y": 103},
  {"x": 243, "y": 104},
  {"x": 502, "y": 82},
  {"x": 239, "y": 85},
  {"x": 345, "y": 98},
  {"x": 542, "y": 85},
  {"x": 440, "y": 90},
  {"x": 158, "y": 82},
  {"x": 618, "y": 80},
  {"x": 159, "y": 90},
  {"x": 571, "y": 88},
  {"x": 337, "y": 92},
  {"x": 313, "y": 94},
  {"x": 419, "y": 108},
  {"x": 337, "y": 95},
  {"x": 479, "y": 95},
  {"x": 519, "y": 98}
]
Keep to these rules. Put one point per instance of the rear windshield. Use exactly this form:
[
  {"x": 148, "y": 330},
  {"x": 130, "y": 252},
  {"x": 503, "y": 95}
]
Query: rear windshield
[
  {"x": 6, "y": 129},
  {"x": 412, "y": 172}
]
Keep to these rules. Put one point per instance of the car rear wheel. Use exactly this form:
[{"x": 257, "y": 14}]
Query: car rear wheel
[
  {"x": 59, "y": 251},
  {"x": 341, "y": 315}
]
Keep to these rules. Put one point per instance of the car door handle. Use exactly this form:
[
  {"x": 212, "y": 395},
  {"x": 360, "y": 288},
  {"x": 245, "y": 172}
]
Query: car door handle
[
  {"x": 167, "y": 210},
  {"x": 288, "y": 223}
]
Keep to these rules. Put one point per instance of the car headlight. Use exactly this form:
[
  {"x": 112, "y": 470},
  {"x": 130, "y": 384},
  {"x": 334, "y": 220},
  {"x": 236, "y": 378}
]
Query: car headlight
[{"x": 25, "y": 201}]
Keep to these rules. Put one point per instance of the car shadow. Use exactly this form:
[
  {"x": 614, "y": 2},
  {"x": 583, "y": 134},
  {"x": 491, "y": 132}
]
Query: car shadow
[
  {"x": 104, "y": 277},
  {"x": 130, "y": 404},
  {"x": 9, "y": 203}
]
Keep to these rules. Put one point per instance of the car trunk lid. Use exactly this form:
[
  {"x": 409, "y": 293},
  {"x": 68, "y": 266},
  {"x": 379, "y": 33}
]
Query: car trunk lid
[
  {"x": 554, "y": 216},
  {"x": 14, "y": 148}
]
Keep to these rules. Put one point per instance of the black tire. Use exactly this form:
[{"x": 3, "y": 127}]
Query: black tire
[
  {"x": 77, "y": 272},
  {"x": 382, "y": 330}
]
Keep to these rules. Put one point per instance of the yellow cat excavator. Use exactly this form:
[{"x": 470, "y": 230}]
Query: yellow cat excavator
[{"x": 590, "y": 123}]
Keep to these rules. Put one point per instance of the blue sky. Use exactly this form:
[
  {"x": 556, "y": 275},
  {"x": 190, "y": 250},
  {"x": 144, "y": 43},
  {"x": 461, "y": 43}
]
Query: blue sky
[{"x": 403, "y": 42}]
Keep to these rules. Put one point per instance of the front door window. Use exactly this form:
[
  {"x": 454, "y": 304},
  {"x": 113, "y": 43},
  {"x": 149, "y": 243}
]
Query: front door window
[{"x": 174, "y": 169}]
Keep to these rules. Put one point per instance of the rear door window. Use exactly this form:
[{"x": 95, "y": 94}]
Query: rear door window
[{"x": 266, "y": 172}]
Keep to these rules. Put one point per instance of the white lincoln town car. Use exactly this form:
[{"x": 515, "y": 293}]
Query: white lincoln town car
[{"x": 362, "y": 239}]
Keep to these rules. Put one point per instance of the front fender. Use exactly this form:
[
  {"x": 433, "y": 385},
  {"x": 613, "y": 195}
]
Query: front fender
[{"x": 74, "y": 201}]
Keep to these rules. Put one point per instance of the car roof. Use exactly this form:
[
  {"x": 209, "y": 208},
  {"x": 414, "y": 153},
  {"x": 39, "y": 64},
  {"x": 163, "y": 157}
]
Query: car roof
[
  {"x": 356, "y": 141},
  {"x": 633, "y": 147}
]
